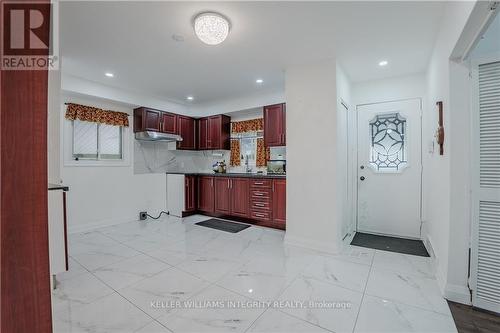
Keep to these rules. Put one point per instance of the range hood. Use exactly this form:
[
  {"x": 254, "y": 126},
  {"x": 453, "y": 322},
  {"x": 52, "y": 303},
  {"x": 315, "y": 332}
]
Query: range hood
[{"x": 157, "y": 136}]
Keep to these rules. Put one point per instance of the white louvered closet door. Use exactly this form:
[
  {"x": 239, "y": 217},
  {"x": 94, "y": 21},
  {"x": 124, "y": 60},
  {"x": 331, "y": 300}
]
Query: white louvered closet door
[{"x": 486, "y": 247}]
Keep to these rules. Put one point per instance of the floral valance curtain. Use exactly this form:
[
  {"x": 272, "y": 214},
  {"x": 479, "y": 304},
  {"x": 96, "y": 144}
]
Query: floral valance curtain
[
  {"x": 235, "y": 153},
  {"x": 96, "y": 115},
  {"x": 253, "y": 125}
]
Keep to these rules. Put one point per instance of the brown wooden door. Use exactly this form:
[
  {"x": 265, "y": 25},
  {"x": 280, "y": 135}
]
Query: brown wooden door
[
  {"x": 190, "y": 193},
  {"x": 279, "y": 201},
  {"x": 273, "y": 125},
  {"x": 239, "y": 197},
  {"x": 185, "y": 128},
  {"x": 202, "y": 133},
  {"x": 168, "y": 123},
  {"x": 222, "y": 195},
  {"x": 206, "y": 194},
  {"x": 214, "y": 132},
  {"x": 24, "y": 271}
]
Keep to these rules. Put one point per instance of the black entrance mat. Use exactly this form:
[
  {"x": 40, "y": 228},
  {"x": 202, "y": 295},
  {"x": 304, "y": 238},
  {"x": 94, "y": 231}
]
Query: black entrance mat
[
  {"x": 223, "y": 225},
  {"x": 393, "y": 244}
]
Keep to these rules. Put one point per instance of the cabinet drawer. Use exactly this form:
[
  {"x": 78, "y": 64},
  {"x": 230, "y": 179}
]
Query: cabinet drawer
[
  {"x": 261, "y": 183},
  {"x": 260, "y": 204},
  {"x": 261, "y": 215},
  {"x": 260, "y": 193}
]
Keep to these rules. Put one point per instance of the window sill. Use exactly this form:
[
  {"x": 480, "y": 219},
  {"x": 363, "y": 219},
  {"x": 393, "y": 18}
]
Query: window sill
[{"x": 87, "y": 163}]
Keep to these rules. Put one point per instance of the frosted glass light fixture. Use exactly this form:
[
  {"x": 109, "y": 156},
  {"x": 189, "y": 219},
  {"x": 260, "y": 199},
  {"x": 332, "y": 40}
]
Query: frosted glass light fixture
[{"x": 211, "y": 28}]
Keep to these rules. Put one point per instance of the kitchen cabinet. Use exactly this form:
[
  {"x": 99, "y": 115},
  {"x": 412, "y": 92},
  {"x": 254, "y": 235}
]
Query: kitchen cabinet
[
  {"x": 186, "y": 129},
  {"x": 239, "y": 196},
  {"x": 168, "y": 123},
  {"x": 206, "y": 194},
  {"x": 214, "y": 132},
  {"x": 275, "y": 125},
  {"x": 202, "y": 133},
  {"x": 222, "y": 195},
  {"x": 190, "y": 194},
  {"x": 146, "y": 119},
  {"x": 279, "y": 201}
]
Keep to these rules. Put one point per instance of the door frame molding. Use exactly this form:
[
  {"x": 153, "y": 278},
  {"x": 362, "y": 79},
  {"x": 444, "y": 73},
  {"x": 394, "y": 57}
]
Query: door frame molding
[{"x": 355, "y": 172}]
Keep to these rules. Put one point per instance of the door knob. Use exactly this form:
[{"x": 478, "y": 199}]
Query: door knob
[
  {"x": 362, "y": 167},
  {"x": 362, "y": 178}
]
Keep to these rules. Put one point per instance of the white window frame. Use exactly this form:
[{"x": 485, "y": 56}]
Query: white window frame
[{"x": 69, "y": 160}]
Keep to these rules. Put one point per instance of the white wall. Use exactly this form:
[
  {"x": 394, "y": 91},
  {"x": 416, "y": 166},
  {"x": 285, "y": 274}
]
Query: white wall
[
  {"x": 437, "y": 179},
  {"x": 106, "y": 195},
  {"x": 312, "y": 203}
]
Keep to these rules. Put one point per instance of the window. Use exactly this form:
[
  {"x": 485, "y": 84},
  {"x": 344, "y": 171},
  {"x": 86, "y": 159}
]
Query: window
[
  {"x": 93, "y": 141},
  {"x": 388, "y": 142}
]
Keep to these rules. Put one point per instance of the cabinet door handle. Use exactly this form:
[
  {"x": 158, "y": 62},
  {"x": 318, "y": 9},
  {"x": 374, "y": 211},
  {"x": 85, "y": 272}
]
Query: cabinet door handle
[
  {"x": 259, "y": 194},
  {"x": 259, "y": 183},
  {"x": 212, "y": 182},
  {"x": 259, "y": 215},
  {"x": 273, "y": 186},
  {"x": 259, "y": 205},
  {"x": 228, "y": 185}
]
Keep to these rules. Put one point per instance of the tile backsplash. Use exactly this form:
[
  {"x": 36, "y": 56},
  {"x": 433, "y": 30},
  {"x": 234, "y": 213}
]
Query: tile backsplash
[{"x": 154, "y": 157}]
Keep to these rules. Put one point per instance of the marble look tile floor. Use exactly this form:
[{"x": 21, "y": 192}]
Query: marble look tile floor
[{"x": 171, "y": 275}]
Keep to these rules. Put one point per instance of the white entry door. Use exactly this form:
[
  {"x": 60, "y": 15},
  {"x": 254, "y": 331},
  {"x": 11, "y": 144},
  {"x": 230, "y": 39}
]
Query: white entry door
[{"x": 390, "y": 168}]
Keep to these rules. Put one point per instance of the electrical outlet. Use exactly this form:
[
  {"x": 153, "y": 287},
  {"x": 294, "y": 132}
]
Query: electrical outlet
[{"x": 143, "y": 215}]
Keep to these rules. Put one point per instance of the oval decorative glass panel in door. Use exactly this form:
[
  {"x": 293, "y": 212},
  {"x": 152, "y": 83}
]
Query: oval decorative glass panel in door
[{"x": 388, "y": 143}]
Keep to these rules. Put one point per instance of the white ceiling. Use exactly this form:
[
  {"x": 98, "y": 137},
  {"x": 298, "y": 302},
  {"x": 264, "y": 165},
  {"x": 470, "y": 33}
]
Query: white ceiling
[{"x": 134, "y": 41}]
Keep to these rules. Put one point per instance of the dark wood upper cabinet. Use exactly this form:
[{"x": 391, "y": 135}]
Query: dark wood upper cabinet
[
  {"x": 279, "y": 201},
  {"x": 146, "y": 119},
  {"x": 214, "y": 132},
  {"x": 169, "y": 123},
  {"x": 222, "y": 195},
  {"x": 206, "y": 198},
  {"x": 239, "y": 196},
  {"x": 275, "y": 125},
  {"x": 202, "y": 133},
  {"x": 186, "y": 129},
  {"x": 190, "y": 193}
]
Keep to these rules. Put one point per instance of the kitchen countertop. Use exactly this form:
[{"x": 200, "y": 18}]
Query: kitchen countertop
[{"x": 229, "y": 174}]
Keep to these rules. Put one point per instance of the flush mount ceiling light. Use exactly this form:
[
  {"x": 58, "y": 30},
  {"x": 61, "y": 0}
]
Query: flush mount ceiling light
[
  {"x": 383, "y": 63},
  {"x": 108, "y": 74},
  {"x": 211, "y": 28},
  {"x": 259, "y": 81},
  {"x": 189, "y": 98}
]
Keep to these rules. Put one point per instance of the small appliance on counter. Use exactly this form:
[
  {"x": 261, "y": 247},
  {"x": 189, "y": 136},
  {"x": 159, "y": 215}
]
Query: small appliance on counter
[
  {"x": 276, "y": 167},
  {"x": 219, "y": 167}
]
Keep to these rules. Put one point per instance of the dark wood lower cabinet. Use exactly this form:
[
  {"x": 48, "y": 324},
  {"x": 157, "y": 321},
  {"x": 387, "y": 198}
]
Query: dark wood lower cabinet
[
  {"x": 259, "y": 201},
  {"x": 279, "y": 202},
  {"x": 239, "y": 197},
  {"x": 190, "y": 194},
  {"x": 222, "y": 195},
  {"x": 206, "y": 200}
]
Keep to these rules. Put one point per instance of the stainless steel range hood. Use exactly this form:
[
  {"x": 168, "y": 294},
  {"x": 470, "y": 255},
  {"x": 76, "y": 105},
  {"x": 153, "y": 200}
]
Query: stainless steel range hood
[{"x": 156, "y": 136}]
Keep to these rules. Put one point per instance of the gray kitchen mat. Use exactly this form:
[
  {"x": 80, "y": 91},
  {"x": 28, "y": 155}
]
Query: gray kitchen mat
[
  {"x": 393, "y": 244},
  {"x": 223, "y": 225}
]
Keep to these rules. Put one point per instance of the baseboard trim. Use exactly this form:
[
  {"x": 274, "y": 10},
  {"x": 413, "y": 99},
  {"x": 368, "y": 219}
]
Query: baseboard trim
[
  {"x": 312, "y": 244},
  {"x": 458, "y": 294},
  {"x": 99, "y": 224}
]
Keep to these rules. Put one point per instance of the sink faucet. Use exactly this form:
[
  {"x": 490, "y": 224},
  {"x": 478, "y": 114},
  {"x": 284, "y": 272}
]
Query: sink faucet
[{"x": 247, "y": 166}]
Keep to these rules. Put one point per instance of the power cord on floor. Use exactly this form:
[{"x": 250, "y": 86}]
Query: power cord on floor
[{"x": 156, "y": 218}]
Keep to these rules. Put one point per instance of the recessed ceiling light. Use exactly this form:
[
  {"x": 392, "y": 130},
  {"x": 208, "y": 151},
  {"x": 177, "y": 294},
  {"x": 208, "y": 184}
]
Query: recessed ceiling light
[
  {"x": 211, "y": 28},
  {"x": 189, "y": 98},
  {"x": 383, "y": 63},
  {"x": 259, "y": 81},
  {"x": 108, "y": 74}
]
